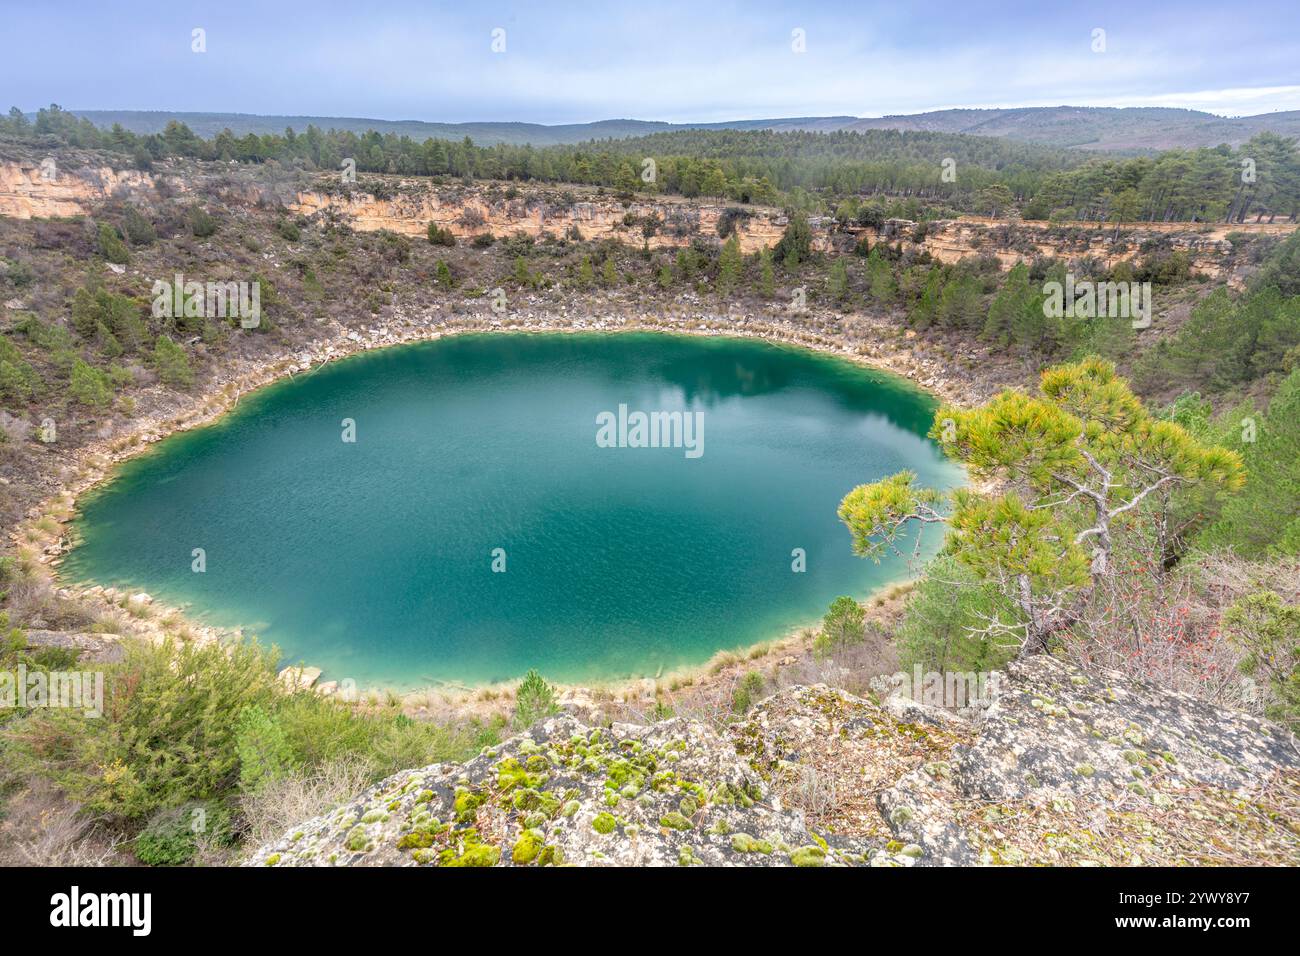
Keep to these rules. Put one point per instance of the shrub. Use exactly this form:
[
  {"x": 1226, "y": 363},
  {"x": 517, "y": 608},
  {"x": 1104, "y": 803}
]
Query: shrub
[
  {"x": 534, "y": 699},
  {"x": 111, "y": 246},
  {"x": 201, "y": 222},
  {"x": 171, "y": 363},
  {"x": 940, "y": 628},
  {"x": 439, "y": 236},
  {"x": 89, "y": 386},
  {"x": 443, "y": 274},
  {"x": 172, "y": 836},
  {"x": 1268, "y": 631},
  {"x": 263, "y": 748},
  {"x": 18, "y": 380},
  {"x": 747, "y": 692},
  {"x": 795, "y": 244},
  {"x": 139, "y": 229},
  {"x": 844, "y": 624}
]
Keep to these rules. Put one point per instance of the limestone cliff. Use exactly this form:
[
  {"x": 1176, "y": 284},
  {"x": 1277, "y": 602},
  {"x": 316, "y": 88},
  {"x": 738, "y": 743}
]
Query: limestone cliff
[
  {"x": 1062, "y": 767},
  {"x": 407, "y": 206},
  {"x": 47, "y": 190}
]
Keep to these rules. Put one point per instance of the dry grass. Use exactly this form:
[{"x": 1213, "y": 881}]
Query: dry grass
[{"x": 300, "y": 796}]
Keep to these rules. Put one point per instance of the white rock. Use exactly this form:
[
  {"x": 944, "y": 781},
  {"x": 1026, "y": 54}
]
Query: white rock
[{"x": 300, "y": 678}]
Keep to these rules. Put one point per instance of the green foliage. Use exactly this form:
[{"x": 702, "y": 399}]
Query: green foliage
[
  {"x": 747, "y": 692},
  {"x": 766, "y": 275},
  {"x": 1080, "y": 466},
  {"x": 19, "y": 382},
  {"x": 942, "y": 629},
  {"x": 534, "y": 699},
  {"x": 262, "y": 747},
  {"x": 795, "y": 244},
  {"x": 89, "y": 386},
  {"x": 139, "y": 229},
  {"x": 111, "y": 246},
  {"x": 730, "y": 265},
  {"x": 837, "y": 282},
  {"x": 439, "y": 236},
  {"x": 844, "y": 625},
  {"x": 442, "y": 272},
  {"x": 1264, "y": 518},
  {"x": 1228, "y": 343},
  {"x": 172, "y": 837},
  {"x": 202, "y": 224},
  {"x": 880, "y": 278},
  {"x": 171, "y": 363},
  {"x": 98, "y": 314},
  {"x": 1267, "y": 629},
  {"x": 168, "y": 732}
]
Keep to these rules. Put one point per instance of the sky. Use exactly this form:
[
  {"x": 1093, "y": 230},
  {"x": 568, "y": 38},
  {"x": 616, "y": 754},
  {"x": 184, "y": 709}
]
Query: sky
[{"x": 696, "y": 61}]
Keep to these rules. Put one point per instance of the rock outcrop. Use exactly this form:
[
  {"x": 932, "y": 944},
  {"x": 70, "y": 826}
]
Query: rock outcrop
[
  {"x": 1061, "y": 767},
  {"x": 48, "y": 189}
]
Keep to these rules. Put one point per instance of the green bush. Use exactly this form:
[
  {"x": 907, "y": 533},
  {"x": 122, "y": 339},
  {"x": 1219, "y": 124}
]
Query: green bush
[
  {"x": 1262, "y": 518},
  {"x": 111, "y": 246},
  {"x": 938, "y": 631},
  {"x": 89, "y": 386},
  {"x": 18, "y": 380},
  {"x": 139, "y": 229},
  {"x": 172, "y": 836},
  {"x": 844, "y": 624},
  {"x": 443, "y": 274},
  {"x": 747, "y": 692},
  {"x": 201, "y": 222},
  {"x": 1267, "y": 630},
  {"x": 534, "y": 699},
  {"x": 171, "y": 363},
  {"x": 168, "y": 733},
  {"x": 439, "y": 236},
  {"x": 263, "y": 749}
]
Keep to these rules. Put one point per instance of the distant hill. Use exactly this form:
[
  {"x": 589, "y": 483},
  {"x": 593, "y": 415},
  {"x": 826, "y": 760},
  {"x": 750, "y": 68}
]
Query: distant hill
[
  {"x": 1135, "y": 129},
  {"x": 1096, "y": 128}
]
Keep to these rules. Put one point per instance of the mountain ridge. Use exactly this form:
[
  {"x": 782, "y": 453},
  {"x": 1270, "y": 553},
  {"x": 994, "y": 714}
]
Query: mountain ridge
[{"x": 1101, "y": 129}]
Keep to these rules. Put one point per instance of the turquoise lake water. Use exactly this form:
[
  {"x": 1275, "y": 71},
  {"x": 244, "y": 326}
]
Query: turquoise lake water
[{"x": 373, "y": 559}]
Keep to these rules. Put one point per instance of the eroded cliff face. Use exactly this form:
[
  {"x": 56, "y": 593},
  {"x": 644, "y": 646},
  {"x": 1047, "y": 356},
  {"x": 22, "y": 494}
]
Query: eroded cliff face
[
  {"x": 28, "y": 189},
  {"x": 1209, "y": 252},
  {"x": 679, "y": 222},
  {"x": 466, "y": 216},
  {"x": 47, "y": 190}
]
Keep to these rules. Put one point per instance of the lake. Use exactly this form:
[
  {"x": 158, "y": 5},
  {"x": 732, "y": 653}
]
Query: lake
[{"x": 498, "y": 505}]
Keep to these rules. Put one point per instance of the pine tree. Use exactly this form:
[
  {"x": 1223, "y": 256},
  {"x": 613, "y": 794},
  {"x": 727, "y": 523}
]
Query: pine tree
[
  {"x": 171, "y": 363},
  {"x": 1082, "y": 473},
  {"x": 730, "y": 264},
  {"x": 837, "y": 283},
  {"x": 767, "y": 275}
]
